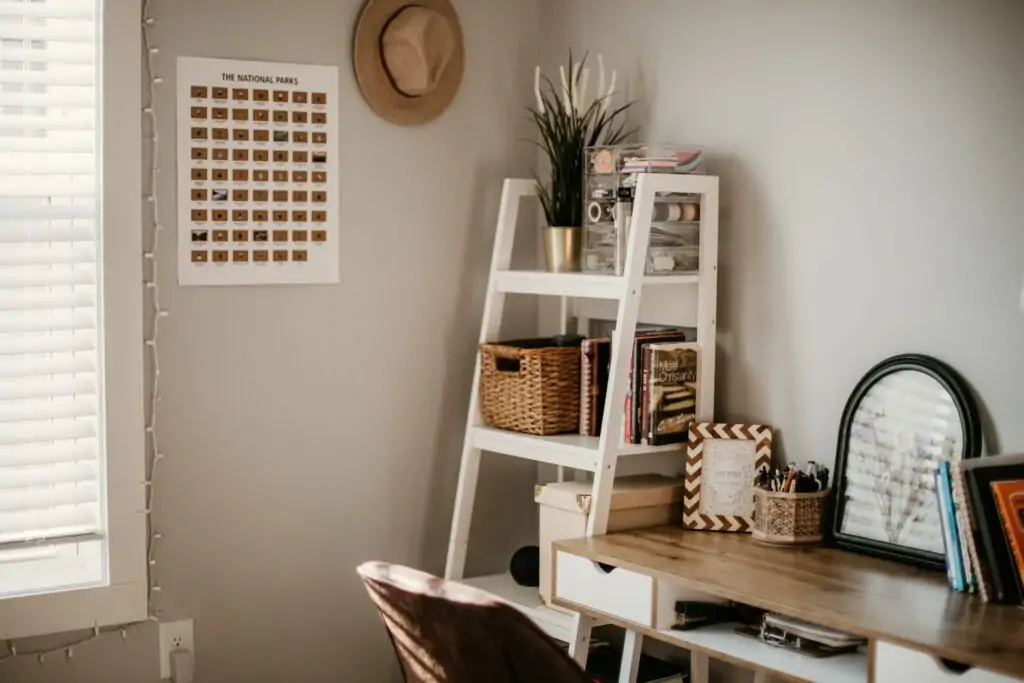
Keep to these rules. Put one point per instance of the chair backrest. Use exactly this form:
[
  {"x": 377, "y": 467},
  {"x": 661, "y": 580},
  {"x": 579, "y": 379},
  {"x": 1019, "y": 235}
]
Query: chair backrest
[{"x": 446, "y": 632}]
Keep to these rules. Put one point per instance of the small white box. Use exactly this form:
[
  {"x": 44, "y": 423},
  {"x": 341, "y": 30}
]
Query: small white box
[{"x": 637, "y": 502}]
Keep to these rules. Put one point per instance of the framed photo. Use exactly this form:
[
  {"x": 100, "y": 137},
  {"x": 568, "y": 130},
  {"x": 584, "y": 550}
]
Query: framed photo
[
  {"x": 722, "y": 461},
  {"x": 904, "y": 416}
]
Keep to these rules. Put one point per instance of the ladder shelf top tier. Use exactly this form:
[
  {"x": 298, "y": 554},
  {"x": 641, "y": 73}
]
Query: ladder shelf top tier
[
  {"x": 596, "y": 285},
  {"x": 691, "y": 183}
]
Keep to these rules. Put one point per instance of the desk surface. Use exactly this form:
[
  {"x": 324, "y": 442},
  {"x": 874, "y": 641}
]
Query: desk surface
[{"x": 860, "y": 595}]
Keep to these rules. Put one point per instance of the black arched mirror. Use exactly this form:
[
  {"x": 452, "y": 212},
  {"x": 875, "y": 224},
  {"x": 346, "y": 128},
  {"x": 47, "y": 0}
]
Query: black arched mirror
[{"x": 906, "y": 414}]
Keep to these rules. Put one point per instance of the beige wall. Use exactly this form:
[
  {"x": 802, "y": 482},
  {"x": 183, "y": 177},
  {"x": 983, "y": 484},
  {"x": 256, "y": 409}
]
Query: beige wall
[
  {"x": 870, "y": 155},
  {"x": 310, "y": 428}
]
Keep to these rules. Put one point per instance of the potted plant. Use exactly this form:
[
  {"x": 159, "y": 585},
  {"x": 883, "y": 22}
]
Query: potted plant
[{"x": 568, "y": 123}]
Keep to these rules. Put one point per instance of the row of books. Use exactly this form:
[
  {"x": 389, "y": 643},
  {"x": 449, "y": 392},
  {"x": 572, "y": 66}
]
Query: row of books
[
  {"x": 981, "y": 506},
  {"x": 661, "y": 401}
]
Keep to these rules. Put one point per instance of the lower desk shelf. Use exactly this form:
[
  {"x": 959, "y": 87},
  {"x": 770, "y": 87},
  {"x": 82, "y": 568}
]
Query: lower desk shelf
[
  {"x": 722, "y": 642},
  {"x": 719, "y": 642},
  {"x": 556, "y": 623}
]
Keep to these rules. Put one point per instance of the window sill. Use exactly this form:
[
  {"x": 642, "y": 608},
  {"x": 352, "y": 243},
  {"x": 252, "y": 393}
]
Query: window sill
[{"x": 74, "y": 610}]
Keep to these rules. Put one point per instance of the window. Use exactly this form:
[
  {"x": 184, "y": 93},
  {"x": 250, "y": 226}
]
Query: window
[{"x": 72, "y": 532}]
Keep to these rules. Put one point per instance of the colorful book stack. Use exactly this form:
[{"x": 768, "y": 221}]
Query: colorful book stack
[
  {"x": 981, "y": 506},
  {"x": 661, "y": 400}
]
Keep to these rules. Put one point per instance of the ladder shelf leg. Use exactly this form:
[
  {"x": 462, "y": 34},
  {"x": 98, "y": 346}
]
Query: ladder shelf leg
[
  {"x": 622, "y": 337},
  {"x": 465, "y": 497},
  {"x": 612, "y": 432},
  {"x": 494, "y": 305}
]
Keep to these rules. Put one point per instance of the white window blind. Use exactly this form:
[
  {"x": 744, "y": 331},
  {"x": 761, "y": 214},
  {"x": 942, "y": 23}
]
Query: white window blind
[{"x": 51, "y": 419}]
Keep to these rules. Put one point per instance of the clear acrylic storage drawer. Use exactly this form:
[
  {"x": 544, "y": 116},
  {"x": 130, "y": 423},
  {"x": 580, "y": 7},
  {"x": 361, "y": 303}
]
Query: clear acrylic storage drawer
[
  {"x": 604, "y": 243},
  {"x": 660, "y": 260},
  {"x": 610, "y": 183}
]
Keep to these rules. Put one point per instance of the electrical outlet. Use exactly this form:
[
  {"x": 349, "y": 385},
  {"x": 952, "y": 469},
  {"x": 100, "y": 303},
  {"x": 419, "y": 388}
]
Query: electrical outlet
[{"x": 174, "y": 635}]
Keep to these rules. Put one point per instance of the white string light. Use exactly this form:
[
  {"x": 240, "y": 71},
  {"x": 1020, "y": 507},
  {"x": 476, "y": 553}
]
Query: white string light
[{"x": 152, "y": 286}]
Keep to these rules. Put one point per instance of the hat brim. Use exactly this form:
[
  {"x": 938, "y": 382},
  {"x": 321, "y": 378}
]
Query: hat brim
[{"x": 372, "y": 76}]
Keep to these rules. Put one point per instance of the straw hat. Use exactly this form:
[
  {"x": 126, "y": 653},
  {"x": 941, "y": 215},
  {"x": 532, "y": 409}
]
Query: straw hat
[{"x": 408, "y": 58}]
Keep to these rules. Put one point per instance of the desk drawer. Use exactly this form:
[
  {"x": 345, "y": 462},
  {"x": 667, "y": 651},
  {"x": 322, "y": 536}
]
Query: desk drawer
[
  {"x": 895, "y": 664},
  {"x": 621, "y": 593}
]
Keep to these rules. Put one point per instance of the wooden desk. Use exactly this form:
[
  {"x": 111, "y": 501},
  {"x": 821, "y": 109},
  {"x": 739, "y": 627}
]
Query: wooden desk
[{"x": 880, "y": 600}]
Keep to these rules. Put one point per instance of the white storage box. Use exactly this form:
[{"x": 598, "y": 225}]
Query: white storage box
[{"x": 639, "y": 501}]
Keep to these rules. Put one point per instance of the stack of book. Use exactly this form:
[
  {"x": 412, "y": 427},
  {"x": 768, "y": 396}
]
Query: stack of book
[
  {"x": 661, "y": 401},
  {"x": 981, "y": 505},
  {"x": 682, "y": 161}
]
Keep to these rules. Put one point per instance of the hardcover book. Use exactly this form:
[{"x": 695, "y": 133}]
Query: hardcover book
[
  {"x": 673, "y": 386},
  {"x": 947, "y": 520},
  {"x": 982, "y": 573},
  {"x": 603, "y": 358},
  {"x": 960, "y": 553},
  {"x": 993, "y": 548},
  {"x": 1009, "y": 497},
  {"x": 594, "y": 380},
  {"x": 645, "y": 413},
  {"x": 637, "y": 401}
]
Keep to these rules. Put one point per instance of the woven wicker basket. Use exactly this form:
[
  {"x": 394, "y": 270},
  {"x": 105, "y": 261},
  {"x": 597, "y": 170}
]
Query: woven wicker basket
[
  {"x": 530, "y": 387},
  {"x": 788, "y": 518}
]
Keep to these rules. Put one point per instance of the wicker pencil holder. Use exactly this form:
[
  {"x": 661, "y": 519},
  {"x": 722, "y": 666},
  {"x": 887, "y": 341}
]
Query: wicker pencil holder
[
  {"x": 788, "y": 518},
  {"x": 530, "y": 387}
]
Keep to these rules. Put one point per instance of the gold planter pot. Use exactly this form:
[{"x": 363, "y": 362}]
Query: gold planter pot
[{"x": 562, "y": 247}]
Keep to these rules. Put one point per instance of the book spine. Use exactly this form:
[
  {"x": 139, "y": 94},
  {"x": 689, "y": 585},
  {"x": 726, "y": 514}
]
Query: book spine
[
  {"x": 644, "y": 411},
  {"x": 631, "y": 427},
  {"x": 627, "y": 418},
  {"x": 586, "y": 388},
  {"x": 963, "y": 530},
  {"x": 626, "y": 421},
  {"x": 998, "y": 561},
  {"x": 602, "y": 356},
  {"x": 947, "y": 540},
  {"x": 974, "y": 540},
  {"x": 1006, "y": 516},
  {"x": 632, "y": 394},
  {"x": 958, "y": 556}
]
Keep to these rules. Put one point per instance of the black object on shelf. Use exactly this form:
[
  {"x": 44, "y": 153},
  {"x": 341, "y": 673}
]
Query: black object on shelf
[
  {"x": 559, "y": 340},
  {"x": 525, "y": 566},
  {"x": 603, "y": 664}
]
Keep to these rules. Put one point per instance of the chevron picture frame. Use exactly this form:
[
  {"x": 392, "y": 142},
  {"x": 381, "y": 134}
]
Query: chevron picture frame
[{"x": 721, "y": 462}]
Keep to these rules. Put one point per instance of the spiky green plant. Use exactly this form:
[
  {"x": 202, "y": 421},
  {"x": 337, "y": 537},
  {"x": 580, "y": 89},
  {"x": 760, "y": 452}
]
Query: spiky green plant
[{"x": 567, "y": 127}]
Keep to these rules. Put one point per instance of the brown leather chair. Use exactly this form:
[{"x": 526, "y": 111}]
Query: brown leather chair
[{"x": 446, "y": 632}]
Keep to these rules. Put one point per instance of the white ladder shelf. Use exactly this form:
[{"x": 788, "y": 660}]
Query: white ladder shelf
[{"x": 597, "y": 455}]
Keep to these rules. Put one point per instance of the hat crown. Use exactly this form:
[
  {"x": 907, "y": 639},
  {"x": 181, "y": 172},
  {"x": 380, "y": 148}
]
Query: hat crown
[{"x": 416, "y": 47}]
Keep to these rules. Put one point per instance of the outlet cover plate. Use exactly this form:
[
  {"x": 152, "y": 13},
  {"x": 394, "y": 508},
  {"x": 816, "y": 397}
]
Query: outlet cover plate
[{"x": 174, "y": 635}]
